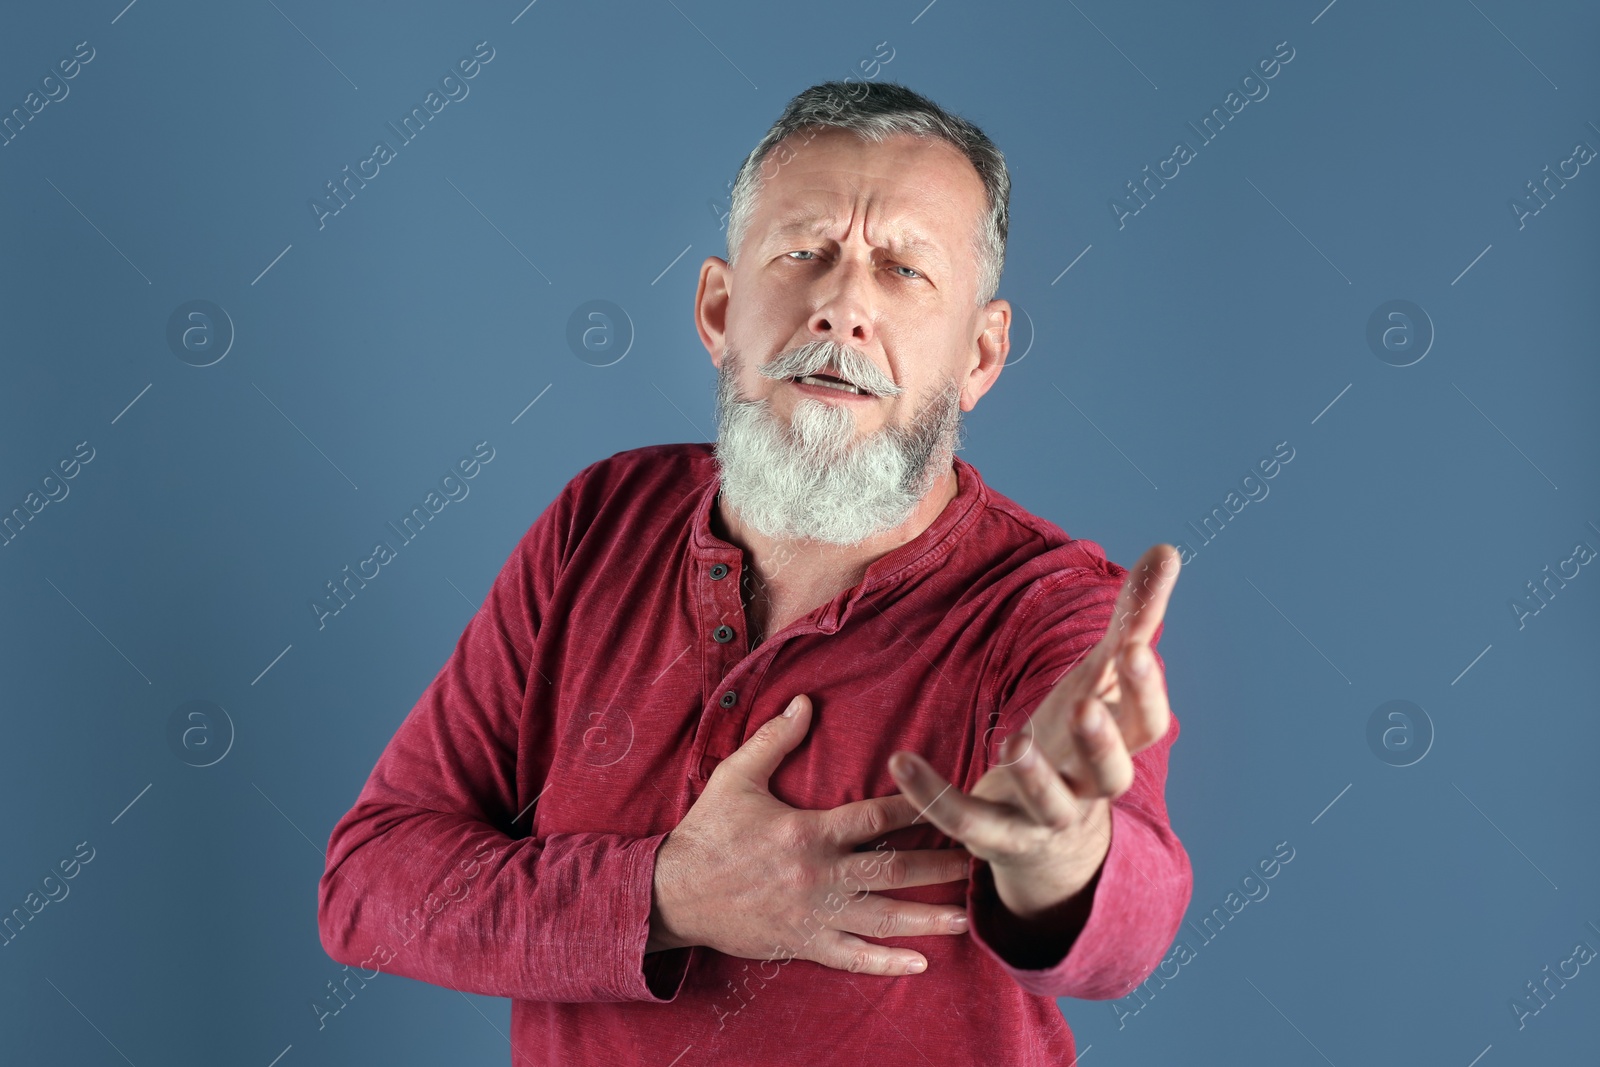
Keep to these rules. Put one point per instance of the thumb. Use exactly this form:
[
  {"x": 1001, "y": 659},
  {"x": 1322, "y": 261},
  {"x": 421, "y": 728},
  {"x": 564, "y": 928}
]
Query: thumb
[{"x": 757, "y": 758}]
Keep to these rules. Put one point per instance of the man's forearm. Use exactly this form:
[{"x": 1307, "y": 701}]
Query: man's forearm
[{"x": 553, "y": 902}]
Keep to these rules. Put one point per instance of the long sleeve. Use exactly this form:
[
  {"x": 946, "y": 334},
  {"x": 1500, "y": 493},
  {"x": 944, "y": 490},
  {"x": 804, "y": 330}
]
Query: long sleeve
[
  {"x": 1144, "y": 884},
  {"x": 432, "y": 874}
]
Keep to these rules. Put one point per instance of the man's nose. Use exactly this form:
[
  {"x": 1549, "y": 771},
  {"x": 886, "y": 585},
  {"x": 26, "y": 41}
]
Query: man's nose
[{"x": 845, "y": 312}]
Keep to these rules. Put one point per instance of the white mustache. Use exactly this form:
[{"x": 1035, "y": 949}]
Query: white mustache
[{"x": 832, "y": 358}]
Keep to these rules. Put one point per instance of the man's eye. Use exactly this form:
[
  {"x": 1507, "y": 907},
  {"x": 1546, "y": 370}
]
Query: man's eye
[{"x": 913, "y": 272}]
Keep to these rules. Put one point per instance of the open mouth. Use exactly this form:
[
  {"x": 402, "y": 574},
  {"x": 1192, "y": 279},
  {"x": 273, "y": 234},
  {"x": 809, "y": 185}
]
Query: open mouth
[{"x": 831, "y": 382}]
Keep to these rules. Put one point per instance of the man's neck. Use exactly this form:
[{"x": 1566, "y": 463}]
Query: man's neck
[{"x": 818, "y": 571}]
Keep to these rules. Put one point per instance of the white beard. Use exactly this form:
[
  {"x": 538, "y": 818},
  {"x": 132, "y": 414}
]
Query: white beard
[{"x": 812, "y": 479}]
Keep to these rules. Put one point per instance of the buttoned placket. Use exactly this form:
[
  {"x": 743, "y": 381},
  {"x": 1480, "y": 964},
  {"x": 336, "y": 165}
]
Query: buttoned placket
[{"x": 732, "y": 670}]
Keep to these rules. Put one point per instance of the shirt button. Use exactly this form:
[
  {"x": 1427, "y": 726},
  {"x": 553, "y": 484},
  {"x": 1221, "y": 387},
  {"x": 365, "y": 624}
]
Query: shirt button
[
  {"x": 719, "y": 571},
  {"x": 723, "y": 634},
  {"x": 728, "y": 698}
]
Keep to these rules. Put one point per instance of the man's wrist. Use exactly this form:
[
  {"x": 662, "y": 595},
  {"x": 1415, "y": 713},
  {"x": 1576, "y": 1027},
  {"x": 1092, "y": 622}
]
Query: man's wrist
[
  {"x": 663, "y": 882},
  {"x": 1032, "y": 892},
  {"x": 1037, "y": 942}
]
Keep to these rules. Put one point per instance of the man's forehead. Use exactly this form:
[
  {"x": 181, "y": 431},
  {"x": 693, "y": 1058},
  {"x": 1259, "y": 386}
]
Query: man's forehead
[
  {"x": 821, "y": 186},
  {"x": 817, "y": 216}
]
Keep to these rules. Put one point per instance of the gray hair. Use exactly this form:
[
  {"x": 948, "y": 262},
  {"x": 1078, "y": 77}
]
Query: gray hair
[{"x": 875, "y": 112}]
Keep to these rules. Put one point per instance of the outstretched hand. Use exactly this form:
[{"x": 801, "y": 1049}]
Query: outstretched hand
[{"x": 1042, "y": 815}]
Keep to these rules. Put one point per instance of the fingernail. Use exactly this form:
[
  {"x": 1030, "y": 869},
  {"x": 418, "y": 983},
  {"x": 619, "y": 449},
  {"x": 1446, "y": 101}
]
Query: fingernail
[
  {"x": 916, "y": 966},
  {"x": 903, "y": 767},
  {"x": 958, "y": 923},
  {"x": 1139, "y": 661},
  {"x": 794, "y": 706}
]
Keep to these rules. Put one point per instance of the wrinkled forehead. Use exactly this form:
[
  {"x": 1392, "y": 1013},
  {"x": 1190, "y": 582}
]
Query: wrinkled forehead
[{"x": 922, "y": 197}]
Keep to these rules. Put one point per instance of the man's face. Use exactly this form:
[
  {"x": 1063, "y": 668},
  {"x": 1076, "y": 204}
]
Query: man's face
[
  {"x": 869, "y": 245},
  {"x": 859, "y": 262}
]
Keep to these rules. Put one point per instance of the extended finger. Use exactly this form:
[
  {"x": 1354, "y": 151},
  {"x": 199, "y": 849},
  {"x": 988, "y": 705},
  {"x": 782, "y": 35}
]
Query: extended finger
[
  {"x": 1142, "y": 711},
  {"x": 1136, "y": 614},
  {"x": 862, "y": 820},
  {"x": 984, "y": 827},
  {"x": 889, "y": 868},
  {"x": 1142, "y": 602},
  {"x": 1041, "y": 792},
  {"x": 1098, "y": 764},
  {"x": 847, "y": 952},
  {"x": 880, "y": 916},
  {"x": 1138, "y": 610}
]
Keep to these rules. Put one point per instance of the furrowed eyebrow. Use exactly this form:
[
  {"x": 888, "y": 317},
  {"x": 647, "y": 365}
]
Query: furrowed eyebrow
[{"x": 901, "y": 241}]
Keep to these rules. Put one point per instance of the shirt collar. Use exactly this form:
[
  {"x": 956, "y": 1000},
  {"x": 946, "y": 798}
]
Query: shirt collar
[{"x": 921, "y": 553}]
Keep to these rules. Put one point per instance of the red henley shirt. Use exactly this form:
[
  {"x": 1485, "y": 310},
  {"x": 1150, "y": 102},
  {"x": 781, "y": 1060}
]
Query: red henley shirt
[{"x": 504, "y": 844}]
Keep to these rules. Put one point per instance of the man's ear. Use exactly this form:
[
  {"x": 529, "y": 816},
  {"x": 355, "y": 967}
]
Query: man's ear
[
  {"x": 711, "y": 306},
  {"x": 989, "y": 349}
]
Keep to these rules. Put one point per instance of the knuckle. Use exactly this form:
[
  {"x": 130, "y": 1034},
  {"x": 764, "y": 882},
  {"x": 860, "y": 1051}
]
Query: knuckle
[
  {"x": 1061, "y": 821},
  {"x": 796, "y": 877},
  {"x": 788, "y": 867},
  {"x": 792, "y": 835},
  {"x": 875, "y": 821},
  {"x": 886, "y": 924},
  {"x": 1099, "y": 747}
]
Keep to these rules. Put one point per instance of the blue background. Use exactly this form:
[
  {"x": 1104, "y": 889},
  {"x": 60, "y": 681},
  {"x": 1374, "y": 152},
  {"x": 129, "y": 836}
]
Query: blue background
[{"x": 590, "y": 161}]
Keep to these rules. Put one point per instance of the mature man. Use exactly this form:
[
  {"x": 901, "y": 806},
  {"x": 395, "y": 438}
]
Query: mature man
[{"x": 806, "y": 747}]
